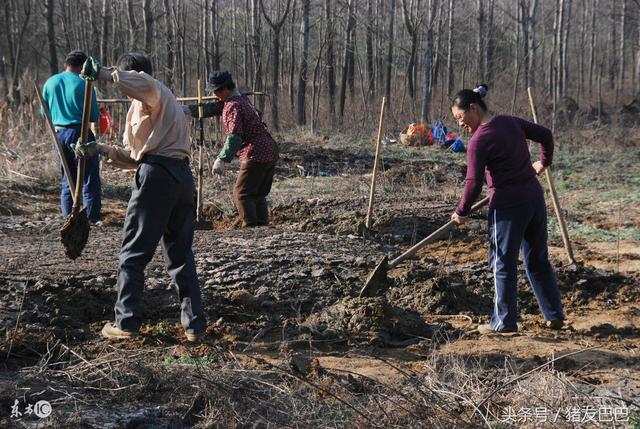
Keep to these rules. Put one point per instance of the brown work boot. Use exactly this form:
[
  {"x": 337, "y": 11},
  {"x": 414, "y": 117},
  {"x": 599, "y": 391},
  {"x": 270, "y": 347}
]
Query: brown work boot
[
  {"x": 112, "y": 332},
  {"x": 485, "y": 329},
  {"x": 555, "y": 324},
  {"x": 193, "y": 337}
]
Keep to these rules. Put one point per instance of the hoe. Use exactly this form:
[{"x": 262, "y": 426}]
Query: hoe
[{"x": 378, "y": 277}]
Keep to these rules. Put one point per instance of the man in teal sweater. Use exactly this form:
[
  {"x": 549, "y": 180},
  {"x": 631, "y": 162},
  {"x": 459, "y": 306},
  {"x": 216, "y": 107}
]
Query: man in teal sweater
[{"x": 64, "y": 94}]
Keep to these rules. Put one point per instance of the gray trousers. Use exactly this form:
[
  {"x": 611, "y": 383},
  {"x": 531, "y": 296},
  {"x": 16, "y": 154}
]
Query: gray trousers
[{"x": 161, "y": 208}]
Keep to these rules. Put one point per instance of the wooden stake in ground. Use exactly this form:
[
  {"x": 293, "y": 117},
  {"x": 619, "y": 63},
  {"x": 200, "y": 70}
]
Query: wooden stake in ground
[
  {"x": 75, "y": 231},
  {"x": 554, "y": 195},
  {"x": 56, "y": 142},
  {"x": 199, "y": 208},
  {"x": 375, "y": 165}
]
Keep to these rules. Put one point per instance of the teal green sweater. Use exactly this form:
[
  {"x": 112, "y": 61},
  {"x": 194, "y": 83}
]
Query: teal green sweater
[{"x": 64, "y": 93}]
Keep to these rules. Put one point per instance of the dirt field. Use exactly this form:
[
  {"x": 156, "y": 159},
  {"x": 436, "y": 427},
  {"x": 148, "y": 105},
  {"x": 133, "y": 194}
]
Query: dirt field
[{"x": 290, "y": 344}]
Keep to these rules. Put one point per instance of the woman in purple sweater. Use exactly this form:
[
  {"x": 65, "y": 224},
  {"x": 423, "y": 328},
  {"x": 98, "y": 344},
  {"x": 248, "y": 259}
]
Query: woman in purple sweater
[{"x": 498, "y": 153}]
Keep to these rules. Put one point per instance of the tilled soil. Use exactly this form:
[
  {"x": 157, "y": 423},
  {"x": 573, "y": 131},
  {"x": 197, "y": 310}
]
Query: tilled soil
[{"x": 280, "y": 294}]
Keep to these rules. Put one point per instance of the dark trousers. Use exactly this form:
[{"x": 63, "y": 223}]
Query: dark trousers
[
  {"x": 91, "y": 189},
  {"x": 160, "y": 209},
  {"x": 251, "y": 189},
  {"x": 521, "y": 228}
]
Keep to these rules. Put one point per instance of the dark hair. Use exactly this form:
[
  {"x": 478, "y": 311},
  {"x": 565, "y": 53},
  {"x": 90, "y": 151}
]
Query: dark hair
[
  {"x": 135, "y": 61},
  {"x": 231, "y": 85},
  {"x": 465, "y": 98},
  {"x": 75, "y": 58}
]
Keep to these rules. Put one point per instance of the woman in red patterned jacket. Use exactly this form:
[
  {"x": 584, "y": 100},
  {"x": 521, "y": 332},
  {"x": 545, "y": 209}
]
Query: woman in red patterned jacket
[{"x": 247, "y": 138}]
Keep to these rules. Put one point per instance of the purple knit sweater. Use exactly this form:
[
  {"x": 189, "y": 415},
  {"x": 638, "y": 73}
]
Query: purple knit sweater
[{"x": 498, "y": 152}]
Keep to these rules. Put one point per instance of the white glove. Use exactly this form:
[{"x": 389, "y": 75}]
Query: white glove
[{"x": 218, "y": 167}]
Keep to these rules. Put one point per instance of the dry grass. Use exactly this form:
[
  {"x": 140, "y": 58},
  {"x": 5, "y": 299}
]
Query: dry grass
[{"x": 221, "y": 389}]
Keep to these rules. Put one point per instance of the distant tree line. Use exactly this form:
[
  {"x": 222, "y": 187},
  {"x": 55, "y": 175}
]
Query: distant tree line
[{"x": 326, "y": 63}]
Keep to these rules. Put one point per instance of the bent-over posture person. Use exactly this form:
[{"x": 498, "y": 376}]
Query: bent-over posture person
[
  {"x": 161, "y": 208},
  {"x": 247, "y": 138},
  {"x": 498, "y": 151}
]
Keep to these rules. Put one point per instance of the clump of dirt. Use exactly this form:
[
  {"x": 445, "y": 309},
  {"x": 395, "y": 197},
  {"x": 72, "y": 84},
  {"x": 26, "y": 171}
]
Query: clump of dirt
[
  {"x": 433, "y": 289},
  {"x": 373, "y": 318},
  {"x": 326, "y": 216}
]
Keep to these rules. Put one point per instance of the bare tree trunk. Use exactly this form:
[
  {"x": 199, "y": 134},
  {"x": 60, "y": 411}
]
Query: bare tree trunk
[
  {"x": 370, "y": 55},
  {"x": 621, "y": 58},
  {"x": 352, "y": 60},
  {"x": 257, "y": 50},
  {"x": 317, "y": 86},
  {"x": 612, "y": 47},
  {"x": 304, "y": 58},
  {"x": 390, "y": 43},
  {"x": 51, "y": 37},
  {"x": 247, "y": 64},
  {"x": 490, "y": 44},
  {"x": 582, "y": 49},
  {"x": 565, "y": 49},
  {"x": 206, "y": 31},
  {"x": 637, "y": 71},
  {"x": 132, "y": 24},
  {"x": 292, "y": 60},
  {"x": 16, "y": 49},
  {"x": 436, "y": 53},
  {"x": 428, "y": 58},
  {"x": 450, "y": 50},
  {"x": 104, "y": 35},
  {"x": 168, "y": 23},
  {"x": 531, "y": 60},
  {"x": 147, "y": 13},
  {"x": 234, "y": 40},
  {"x": 480, "y": 40},
  {"x": 411, "y": 25},
  {"x": 345, "y": 64},
  {"x": 592, "y": 47},
  {"x": 331, "y": 60},
  {"x": 276, "y": 25}
]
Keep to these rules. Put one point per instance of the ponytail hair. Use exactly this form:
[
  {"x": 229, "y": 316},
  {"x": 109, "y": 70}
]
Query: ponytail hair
[{"x": 465, "y": 98}]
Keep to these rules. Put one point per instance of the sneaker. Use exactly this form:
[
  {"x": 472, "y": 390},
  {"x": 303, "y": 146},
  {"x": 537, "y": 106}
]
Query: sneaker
[
  {"x": 555, "y": 324},
  {"x": 193, "y": 337},
  {"x": 112, "y": 332},
  {"x": 486, "y": 328}
]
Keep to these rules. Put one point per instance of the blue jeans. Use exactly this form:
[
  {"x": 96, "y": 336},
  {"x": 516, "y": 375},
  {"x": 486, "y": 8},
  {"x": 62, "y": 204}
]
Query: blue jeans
[
  {"x": 161, "y": 209},
  {"x": 91, "y": 189},
  {"x": 513, "y": 229}
]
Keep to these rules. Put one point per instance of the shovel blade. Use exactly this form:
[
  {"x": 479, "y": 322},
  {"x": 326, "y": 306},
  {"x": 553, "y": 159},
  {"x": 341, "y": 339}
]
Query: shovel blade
[
  {"x": 74, "y": 234},
  {"x": 377, "y": 279}
]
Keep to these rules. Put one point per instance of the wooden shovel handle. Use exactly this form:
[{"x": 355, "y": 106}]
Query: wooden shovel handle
[
  {"x": 554, "y": 195},
  {"x": 56, "y": 142},
  {"x": 199, "y": 205},
  {"x": 84, "y": 134},
  {"x": 376, "y": 161},
  {"x": 434, "y": 235}
]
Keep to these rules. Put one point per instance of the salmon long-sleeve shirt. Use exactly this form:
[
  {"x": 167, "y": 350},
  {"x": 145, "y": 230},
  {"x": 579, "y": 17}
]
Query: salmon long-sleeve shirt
[
  {"x": 498, "y": 152},
  {"x": 156, "y": 123}
]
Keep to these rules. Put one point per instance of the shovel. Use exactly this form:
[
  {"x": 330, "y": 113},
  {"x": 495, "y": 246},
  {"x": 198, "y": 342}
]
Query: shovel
[
  {"x": 377, "y": 279},
  {"x": 75, "y": 231}
]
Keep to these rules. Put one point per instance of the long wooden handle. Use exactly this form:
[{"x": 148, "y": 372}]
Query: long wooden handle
[
  {"x": 199, "y": 207},
  {"x": 84, "y": 134},
  {"x": 554, "y": 196},
  {"x": 375, "y": 164},
  {"x": 434, "y": 235},
  {"x": 56, "y": 142}
]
